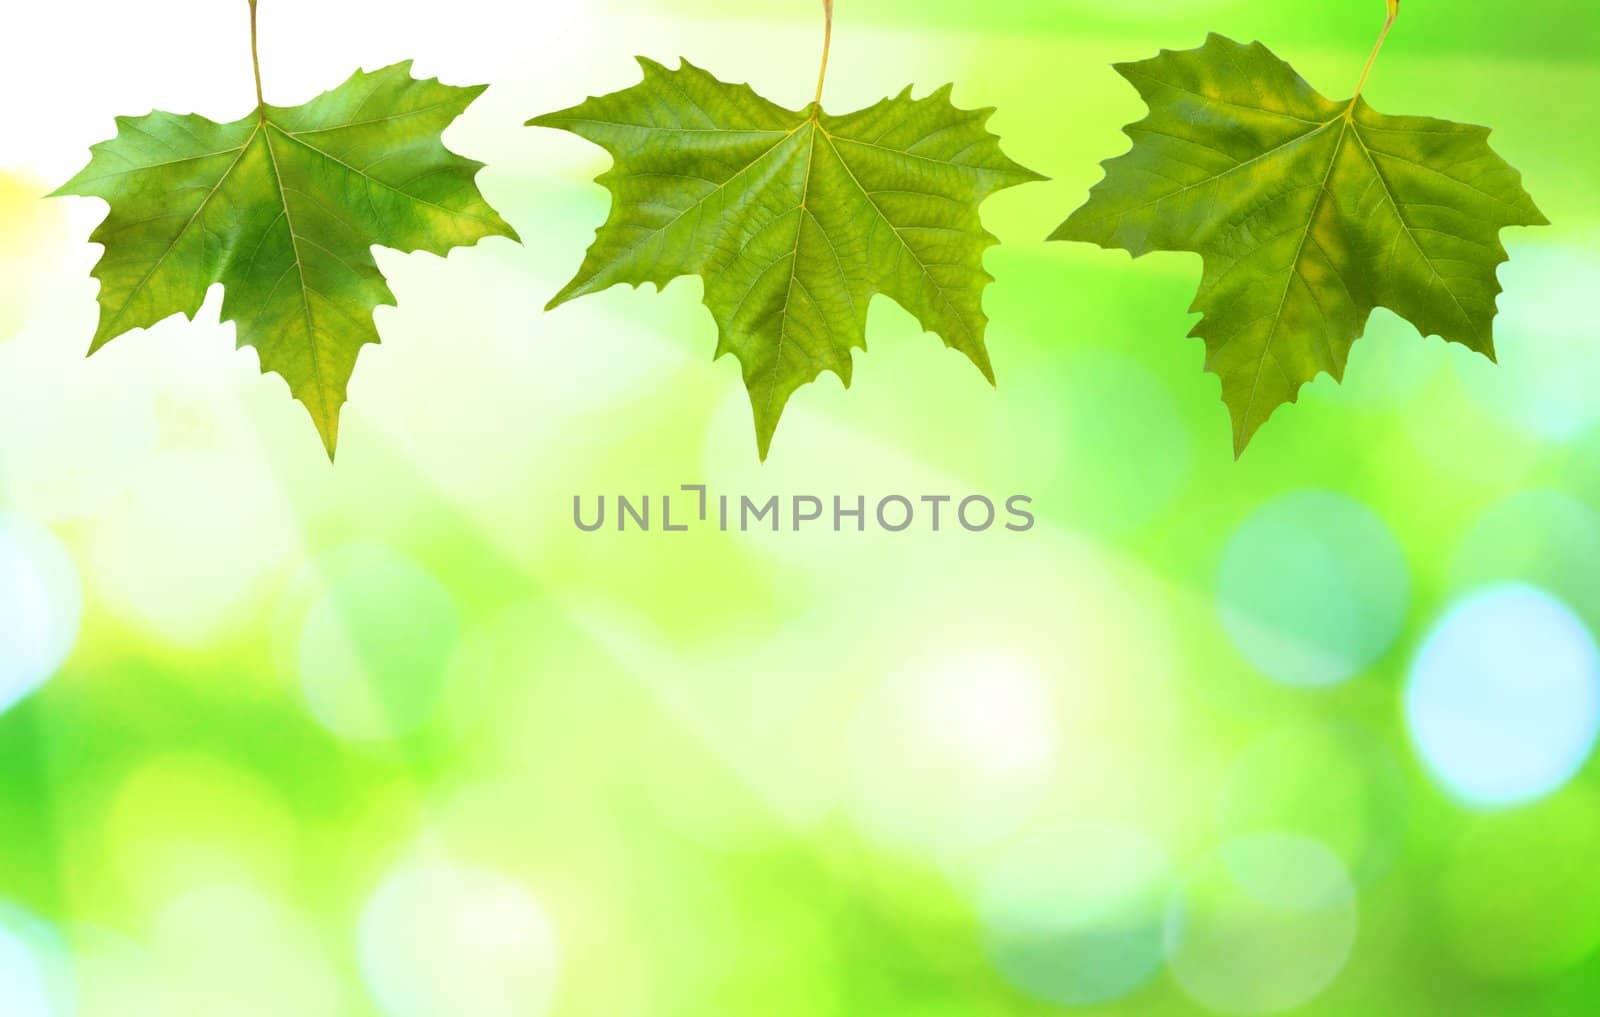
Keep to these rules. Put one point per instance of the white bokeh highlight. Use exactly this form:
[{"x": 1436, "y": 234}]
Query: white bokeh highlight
[
  {"x": 240, "y": 949},
  {"x": 953, "y": 755},
  {"x": 1073, "y": 915},
  {"x": 23, "y": 991},
  {"x": 34, "y": 972},
  {"x": 439, "y": 939},
  {"x": 1503, "y": 700},
  {"x": 1548, "y": 364},
  {"x": 192, "y": 545},
  {"x": 40, "y": 607}
]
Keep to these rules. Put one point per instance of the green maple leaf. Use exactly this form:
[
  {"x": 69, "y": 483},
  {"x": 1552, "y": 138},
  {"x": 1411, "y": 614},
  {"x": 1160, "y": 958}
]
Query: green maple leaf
[
  {"x": 1308, "y": 215},
  {"x": 283, "y": 208},
  {"x": 794, "y": 219}
]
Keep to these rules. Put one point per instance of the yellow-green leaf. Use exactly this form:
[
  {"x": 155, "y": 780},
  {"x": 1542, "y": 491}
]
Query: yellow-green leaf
[
  {"x": 1308, "y": 215},
  {"x": 794, "y": 219},
  {"x": 283, "y": 208}
]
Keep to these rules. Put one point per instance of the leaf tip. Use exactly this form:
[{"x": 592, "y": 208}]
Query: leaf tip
[
  {"x": 1242, "y": 436},
  {"x": 102, "y": 338},
  {"x": 650, "y": 66},
  {"x": 328, "y": 432},
  {"x": 765, "y": 432}
]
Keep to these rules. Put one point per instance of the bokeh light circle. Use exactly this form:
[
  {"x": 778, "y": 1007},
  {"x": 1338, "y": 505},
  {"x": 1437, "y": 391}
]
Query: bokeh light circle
[
  {"x": 34, "y": 977},
  {"x": 1137, "y": 447},
  {"x": 179, "y": 821},
  {"x": 1332, "y": 780},
  {"x": 116, "y": 976},
  {"x": 59, "y": 462},
  {"x": 190, "y": 547},
  {"x": 375, "y": 647},
  {"x": 1313, "y": 588},
  {"x": 954, "y": 755},
  {"x": 1075, "y": 916},
  {"x": 438, "y": 939},
  {"x": 238, "y": 948},
  {"x": 1543, "y": 538},
  {"x": 1544, "y": 378},
  {"x": 40, "y": 605},
  {"x": 1262, "y": 926},
  {"x": 1503, "y": 701},
  {"x": 23, "y": 991},
  {"x": 1387, "y": 368}
]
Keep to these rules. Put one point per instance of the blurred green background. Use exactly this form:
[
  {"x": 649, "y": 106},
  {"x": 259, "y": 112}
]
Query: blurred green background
[{"x": 1311, "y": 733}]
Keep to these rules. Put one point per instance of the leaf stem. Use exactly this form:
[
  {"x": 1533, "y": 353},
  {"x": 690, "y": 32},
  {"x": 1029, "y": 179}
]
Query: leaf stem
[
  {"x": 255, "y": 60},
  {"x": 1394, "y": 12},
  {"x": 827, "y": 47}
]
